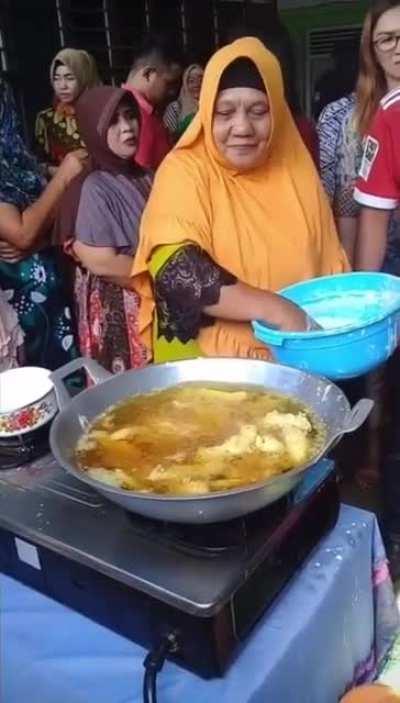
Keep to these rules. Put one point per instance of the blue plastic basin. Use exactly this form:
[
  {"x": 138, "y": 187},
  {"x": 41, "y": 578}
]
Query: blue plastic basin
[{"x": 360, "y": 316}]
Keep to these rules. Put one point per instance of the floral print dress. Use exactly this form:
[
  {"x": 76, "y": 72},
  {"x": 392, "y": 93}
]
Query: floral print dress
[
  {"x": 108, "y": 323},
  {"x": 339, "y": 151},
  {"x": 34, "y": 287},
  {"x": 34, "y": 290},
  {"x": 56, "y": 134}
]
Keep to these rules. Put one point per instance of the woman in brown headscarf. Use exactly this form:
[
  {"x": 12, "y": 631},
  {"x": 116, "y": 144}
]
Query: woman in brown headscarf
[
  {"x": 56, "y": 130},
  {"x": 100, "y": 216}
]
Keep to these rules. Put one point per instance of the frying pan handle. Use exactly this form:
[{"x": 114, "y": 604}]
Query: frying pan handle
[
  {"x": 355, "y": 418},
  {"x": 96, "y": 372},
  {"x": 357, "y": 415}
]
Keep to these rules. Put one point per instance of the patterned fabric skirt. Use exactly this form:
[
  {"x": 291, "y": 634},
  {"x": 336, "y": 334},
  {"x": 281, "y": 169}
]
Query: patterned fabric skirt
[
  {"x": 108, "y": 323},
  {"x": 11, "y": 336},
  {"x": 34, "y": 288}
]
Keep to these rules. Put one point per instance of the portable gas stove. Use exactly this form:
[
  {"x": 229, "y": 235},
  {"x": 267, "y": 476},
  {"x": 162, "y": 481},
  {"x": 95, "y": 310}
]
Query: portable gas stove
[{"x": 207, "y": 585}]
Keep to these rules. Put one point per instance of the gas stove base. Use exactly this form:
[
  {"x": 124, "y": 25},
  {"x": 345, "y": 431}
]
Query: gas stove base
[{"x": 207, "y": 644}]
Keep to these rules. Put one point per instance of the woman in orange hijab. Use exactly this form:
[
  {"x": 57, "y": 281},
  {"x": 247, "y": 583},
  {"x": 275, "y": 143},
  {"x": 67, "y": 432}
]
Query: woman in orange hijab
[
  {"x": 372, "y": 694},
  {"x": 236, "y": 213}
]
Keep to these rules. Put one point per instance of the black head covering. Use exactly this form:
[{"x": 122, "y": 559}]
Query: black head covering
[{"x": 241, "y": 73}]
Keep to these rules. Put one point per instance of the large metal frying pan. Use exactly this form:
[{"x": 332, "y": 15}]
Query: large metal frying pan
[{"x": 326, "y": 399}]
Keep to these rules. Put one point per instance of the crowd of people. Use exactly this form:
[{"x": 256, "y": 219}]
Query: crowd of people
[{"x": 157, "y": 219}]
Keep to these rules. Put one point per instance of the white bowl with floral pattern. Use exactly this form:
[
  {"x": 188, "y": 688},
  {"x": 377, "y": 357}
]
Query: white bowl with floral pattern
[{"x": 27, "y": 400}]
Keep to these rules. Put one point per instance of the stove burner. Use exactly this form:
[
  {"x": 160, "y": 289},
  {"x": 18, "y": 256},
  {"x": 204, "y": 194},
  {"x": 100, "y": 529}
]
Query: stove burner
[{"x": 212, "y": 540}]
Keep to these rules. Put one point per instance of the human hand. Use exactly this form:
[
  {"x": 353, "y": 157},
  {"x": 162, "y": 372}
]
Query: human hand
[
  {"x": 10, "y": 254},
  {"x": 292, "y": 318},
  {"x": 68, "y": 248},
  {"x": 72, "y": 165}
]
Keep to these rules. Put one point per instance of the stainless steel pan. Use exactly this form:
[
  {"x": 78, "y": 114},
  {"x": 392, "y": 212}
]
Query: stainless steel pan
[{"x": 326, "y": 399}]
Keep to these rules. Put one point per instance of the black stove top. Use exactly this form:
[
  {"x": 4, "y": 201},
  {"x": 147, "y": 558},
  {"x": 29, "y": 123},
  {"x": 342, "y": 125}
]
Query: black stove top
[
  {"x": 211, "y": 582},
  {"x": 238, "y": 539}
]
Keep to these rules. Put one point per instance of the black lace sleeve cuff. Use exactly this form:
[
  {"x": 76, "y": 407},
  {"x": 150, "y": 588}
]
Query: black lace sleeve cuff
[{"x": 188, "y": 282}]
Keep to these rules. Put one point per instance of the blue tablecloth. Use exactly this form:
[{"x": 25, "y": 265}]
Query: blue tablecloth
[{"x": 331, "y": 626}]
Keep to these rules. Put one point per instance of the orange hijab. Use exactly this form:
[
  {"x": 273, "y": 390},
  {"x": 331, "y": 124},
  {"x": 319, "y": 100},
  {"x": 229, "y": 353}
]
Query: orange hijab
[
  {"x": 270, "y": 227},
  {"x": 371, "y": 694}
]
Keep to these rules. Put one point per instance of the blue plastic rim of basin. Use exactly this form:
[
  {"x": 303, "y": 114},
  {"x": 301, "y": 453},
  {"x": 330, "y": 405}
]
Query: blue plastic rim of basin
[{"x": 361, "y": 312}]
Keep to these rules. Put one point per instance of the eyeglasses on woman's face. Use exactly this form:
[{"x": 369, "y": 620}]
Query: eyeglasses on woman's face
[{"x": 387, "y": 42}]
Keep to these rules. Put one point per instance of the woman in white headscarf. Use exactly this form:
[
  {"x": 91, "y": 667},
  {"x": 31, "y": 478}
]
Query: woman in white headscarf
[{"x": 179, "y": 113}]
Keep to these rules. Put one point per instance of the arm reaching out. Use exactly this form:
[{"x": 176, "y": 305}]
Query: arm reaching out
[{"x": 23, "y": 229}]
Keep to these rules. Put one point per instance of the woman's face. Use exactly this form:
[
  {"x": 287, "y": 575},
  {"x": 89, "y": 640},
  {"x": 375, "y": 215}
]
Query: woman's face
[
  {"x": 123, "y": 132},
  {"x": 242, "y": 126},
  {"x": 194, "y": 82},
  {"x": 386, "y": 39},
  {"x": 65, "y": 84}
]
